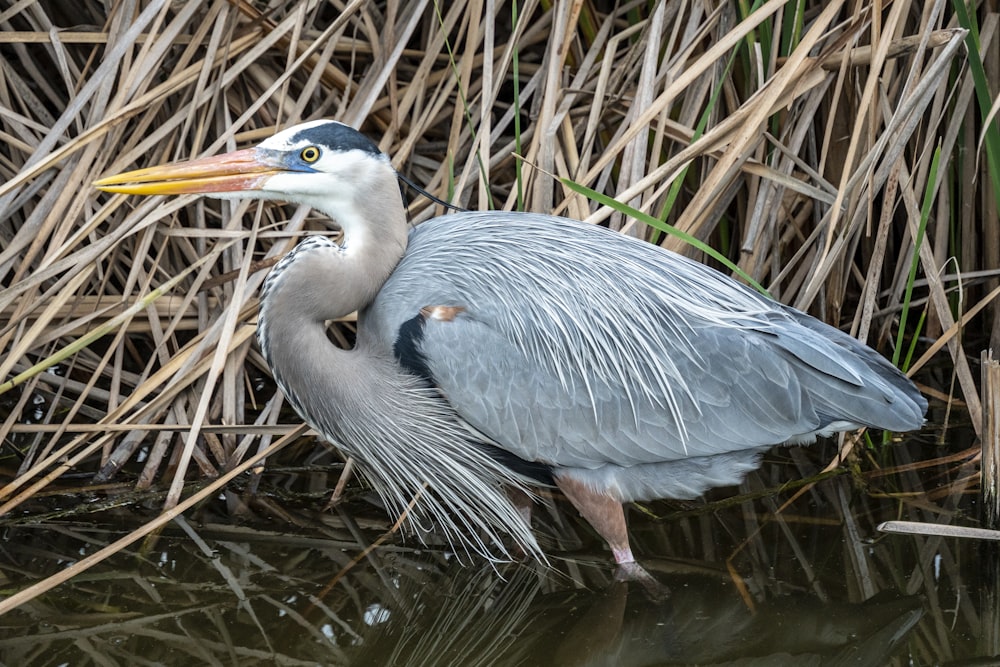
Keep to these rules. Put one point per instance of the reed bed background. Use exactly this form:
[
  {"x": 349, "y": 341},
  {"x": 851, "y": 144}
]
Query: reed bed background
[{"x": 843, "y": 155}]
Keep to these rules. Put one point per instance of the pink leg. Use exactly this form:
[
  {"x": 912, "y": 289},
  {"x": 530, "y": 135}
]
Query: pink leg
[
  {"x": 521, "y": 501},
  {"x": 603, "y": 512},
  {"x": 607, "y": 517}
]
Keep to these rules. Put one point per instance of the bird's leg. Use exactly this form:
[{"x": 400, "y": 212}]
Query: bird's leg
[
  {"x": 521, "y": 501},
  {"x": 607, "y": 517},
  {"x": 603, "y": 512}
]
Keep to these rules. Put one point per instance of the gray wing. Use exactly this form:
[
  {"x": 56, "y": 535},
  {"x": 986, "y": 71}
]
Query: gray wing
[{"x": 575, "y": 346}]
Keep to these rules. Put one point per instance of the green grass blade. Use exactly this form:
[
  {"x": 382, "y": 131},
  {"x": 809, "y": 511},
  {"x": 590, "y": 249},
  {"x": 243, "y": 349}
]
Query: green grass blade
[
  {"x": 983, "y": 94},
  {"x": 108, "y": 327},
  {"x": 659, "y": 225},
  {"x": 699, "y": 130},
  {"x": 453, "y": 62},
  {"x": 930, "y": 193}
]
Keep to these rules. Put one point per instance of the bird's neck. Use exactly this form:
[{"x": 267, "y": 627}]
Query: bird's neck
[
  {"x": 319, "y": 281},
  {"x": 373, "y": 221},
  {"x": 369, "y": 252}
]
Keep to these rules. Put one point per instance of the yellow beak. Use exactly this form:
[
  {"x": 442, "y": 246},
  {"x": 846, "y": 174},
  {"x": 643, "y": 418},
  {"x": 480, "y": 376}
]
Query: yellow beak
[{"x": 230, "y": 172}]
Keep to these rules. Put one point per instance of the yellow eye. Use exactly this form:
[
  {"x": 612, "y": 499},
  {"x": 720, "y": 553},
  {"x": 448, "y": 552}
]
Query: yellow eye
[{"x": 310, "y": 154}]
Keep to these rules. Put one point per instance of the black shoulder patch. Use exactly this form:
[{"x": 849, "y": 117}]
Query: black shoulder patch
[
  {"x": 407, "y": 348},
  {"x": 540, "y": 472},
  {"x": 338, "y": 137},
  {"x": 411, "y": 357}
]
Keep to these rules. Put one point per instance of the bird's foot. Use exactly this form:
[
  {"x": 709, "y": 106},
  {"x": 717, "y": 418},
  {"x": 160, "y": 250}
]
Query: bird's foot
[{"x": 632, "y": 571}]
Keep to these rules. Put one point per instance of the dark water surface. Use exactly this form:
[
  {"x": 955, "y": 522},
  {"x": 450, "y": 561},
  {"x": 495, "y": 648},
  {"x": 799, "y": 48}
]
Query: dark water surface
[{"x": 815, "y": 584}]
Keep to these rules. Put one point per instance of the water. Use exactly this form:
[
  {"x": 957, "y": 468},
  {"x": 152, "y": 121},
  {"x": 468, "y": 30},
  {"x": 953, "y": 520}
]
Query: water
[{"x": 815, "y": 584}]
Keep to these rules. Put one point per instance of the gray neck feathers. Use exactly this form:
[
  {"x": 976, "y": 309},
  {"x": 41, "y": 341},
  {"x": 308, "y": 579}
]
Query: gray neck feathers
[{"x": 409, "y": 442}]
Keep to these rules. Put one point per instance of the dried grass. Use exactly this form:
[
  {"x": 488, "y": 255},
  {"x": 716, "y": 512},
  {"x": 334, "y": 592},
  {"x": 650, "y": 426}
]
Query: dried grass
[{"x": 805, "y": 158}]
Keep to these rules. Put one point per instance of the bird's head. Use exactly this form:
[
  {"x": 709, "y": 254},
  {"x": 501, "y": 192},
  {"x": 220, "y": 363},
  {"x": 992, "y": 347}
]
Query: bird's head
[{"x": 324, "y": 164}]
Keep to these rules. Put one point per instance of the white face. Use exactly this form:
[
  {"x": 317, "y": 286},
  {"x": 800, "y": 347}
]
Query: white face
[{"x": 325, "y": 165}]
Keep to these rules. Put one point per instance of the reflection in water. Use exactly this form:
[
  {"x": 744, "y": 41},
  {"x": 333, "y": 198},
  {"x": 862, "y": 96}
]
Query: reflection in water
[
  {"x": 816, "y": 586},
  {"x": 176, "y": 607},
  {"x": 481, "y": 620}
]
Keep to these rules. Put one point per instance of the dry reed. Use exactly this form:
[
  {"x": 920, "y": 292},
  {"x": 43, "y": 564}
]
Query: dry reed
[{"x": 802, "y": 146}]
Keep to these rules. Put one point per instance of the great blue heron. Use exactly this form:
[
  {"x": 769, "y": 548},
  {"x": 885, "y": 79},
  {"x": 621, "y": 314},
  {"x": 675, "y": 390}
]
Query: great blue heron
[{"x": 499, "y": 349}]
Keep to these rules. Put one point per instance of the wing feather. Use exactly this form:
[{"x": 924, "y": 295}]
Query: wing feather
[{"x": 577, "y": 346}]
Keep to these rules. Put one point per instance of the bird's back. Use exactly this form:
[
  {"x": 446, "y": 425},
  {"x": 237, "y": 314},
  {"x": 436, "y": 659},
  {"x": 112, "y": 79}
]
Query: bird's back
[{"x": 577, "y": 346}]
